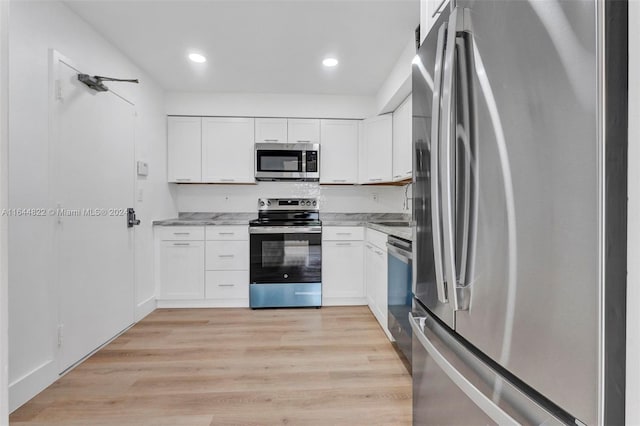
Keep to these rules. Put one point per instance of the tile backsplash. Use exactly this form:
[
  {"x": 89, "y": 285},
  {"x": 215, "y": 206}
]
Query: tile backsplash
[{"x": 338, "y": 199}]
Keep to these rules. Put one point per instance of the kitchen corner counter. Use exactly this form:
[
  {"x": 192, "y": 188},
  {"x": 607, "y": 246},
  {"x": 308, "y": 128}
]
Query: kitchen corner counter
[
  {"x": 404, "y": 232},
  {"x": 203, "y": 219}
]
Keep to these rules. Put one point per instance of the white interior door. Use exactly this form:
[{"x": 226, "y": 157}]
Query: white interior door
[{"x": 93, "y": 156}]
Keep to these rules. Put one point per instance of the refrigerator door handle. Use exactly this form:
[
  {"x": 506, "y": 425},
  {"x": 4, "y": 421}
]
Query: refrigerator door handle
[
  {"x": 436, "y": 221},
  {"x": 483, "y": 401},
  {"x": 447, "y": 157}
]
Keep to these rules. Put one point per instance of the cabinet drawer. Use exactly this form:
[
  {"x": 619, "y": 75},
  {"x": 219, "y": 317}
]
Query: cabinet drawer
[
  {"x": 228, "y": 233},
  {"x": 228, "y": 255},
  {"x": 180, "y": 233},
  {"x": 337, "y": 233},
  {"x": 227, "y": 285},
  {"x": 377, "y": 238}
]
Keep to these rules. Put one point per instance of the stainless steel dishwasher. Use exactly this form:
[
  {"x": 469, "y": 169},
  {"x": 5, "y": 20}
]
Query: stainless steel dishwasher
[{"x": 400, "y": 294}]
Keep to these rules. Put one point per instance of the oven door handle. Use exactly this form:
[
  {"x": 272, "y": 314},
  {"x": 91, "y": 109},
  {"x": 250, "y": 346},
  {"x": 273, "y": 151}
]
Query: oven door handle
[{"x": 285, "y": 229}]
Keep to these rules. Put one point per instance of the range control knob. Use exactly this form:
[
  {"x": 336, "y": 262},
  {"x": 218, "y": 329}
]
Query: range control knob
[
  {"x": 268, "y": 203},
  {"x": 314, "y": 202},
  {"x": 261, "y": 203}
]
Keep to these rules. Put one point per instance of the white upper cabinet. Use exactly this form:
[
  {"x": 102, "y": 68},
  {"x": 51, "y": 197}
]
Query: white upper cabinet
[
  {"x": 378, "y": 149},
  {"x": 227, "y": 150},
  {"x": 402, "y": 143},
  {"x": 273, "y": 130},
  {"x": 339, "y": 151},
  {"x": 429, "y": 12},
  {"x": 183, "y": 149},
  {"x": 303, "y": 130}
]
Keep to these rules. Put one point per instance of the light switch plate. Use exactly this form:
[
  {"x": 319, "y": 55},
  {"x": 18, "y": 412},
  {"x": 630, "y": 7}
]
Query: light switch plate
[{"x": 143, "y": 168}]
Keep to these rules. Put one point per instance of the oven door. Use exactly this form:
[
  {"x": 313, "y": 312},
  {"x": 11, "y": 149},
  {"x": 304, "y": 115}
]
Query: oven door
[{"x": 283, "y": 255}]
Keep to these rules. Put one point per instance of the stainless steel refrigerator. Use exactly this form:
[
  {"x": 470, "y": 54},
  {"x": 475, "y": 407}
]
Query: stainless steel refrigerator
[{"x": 519, "y": 128}]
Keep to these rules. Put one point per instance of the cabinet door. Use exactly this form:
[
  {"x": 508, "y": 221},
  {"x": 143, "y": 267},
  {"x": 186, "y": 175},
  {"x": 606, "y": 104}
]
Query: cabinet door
[
  {"x": 181, "y": 270},
  {"x": 381, "y": 287},
  {"x": 227, "y": 150},
  {"x": 370, "y": 276},
  {"x": 342, "y": 270},
  {"x": 271, "y": 130},
  {"x": 378, "y": 145},
  {"x": 429, "y": 12},
  {"x": 227, "y": 255},
  {"x": 303, "y": 130},
  {"x": 402, "y": 143},
  {"x": 339, "y": 151},
  {"x": 183, "y": 149}
]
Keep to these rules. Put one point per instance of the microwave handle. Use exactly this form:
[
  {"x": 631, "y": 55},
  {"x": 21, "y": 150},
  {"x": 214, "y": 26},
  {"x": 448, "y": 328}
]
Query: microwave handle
[{"x": 304, "y": 162}]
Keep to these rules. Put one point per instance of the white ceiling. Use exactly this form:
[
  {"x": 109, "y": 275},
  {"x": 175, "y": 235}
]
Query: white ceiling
[{"x": 268, "y": 46}]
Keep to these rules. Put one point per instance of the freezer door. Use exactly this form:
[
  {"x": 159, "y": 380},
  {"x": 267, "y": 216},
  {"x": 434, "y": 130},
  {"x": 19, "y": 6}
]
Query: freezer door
[
  {"x": 452, "y": 386},
  {"x": 524, "y": 213}
]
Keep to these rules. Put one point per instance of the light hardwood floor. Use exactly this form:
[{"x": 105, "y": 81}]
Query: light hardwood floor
[{"x": 329, "y": 366}]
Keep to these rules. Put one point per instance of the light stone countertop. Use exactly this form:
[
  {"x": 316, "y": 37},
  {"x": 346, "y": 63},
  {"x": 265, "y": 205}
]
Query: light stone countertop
[{"x": 372, "y": 220}]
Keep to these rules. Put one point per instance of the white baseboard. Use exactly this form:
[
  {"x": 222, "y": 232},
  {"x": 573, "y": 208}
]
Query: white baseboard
[
  {"x": 145, "y": 308},
  {"x": 344, "y": 301},
  {"x": 31, "y": 384},
  {"x": 233, "y": 303}
]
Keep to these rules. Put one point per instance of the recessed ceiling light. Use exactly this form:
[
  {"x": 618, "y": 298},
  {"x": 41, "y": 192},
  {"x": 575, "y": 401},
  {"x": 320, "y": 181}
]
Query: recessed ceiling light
[
  {"x": 330, "y": 62},
  {"x": 196, "y": 57}
]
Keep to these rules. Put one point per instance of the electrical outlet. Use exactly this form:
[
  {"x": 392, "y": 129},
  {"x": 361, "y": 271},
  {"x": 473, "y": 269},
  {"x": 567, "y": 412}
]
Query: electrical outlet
[{"x": 374, "y": 196}]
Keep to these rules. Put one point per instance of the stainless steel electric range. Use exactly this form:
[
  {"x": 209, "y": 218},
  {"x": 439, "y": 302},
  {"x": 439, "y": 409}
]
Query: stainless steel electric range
[{"x": 286, "y": 254}]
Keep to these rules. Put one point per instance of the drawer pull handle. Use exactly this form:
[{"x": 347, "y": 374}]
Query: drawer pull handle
[
  {"x": 183, "y": 180},
  {"x": 226, "y": 233},
  {"x": 306, "y": 293},
  {"x": 227, "y": 180},
  {"x": 375, "y": 180},
  {"x": 271, "y": 140},
  {"x": 226, "y": 255},
  {"x": 226, "y": 285},
  {"x": 181, "y": 244},
  {"x": 343, "y": 233},
  {"x": 343, "y": 244},
  {"x": 379, "y": 252},
  {"x": 339, "y": 180},
  {"x": 182, "y": 233}
]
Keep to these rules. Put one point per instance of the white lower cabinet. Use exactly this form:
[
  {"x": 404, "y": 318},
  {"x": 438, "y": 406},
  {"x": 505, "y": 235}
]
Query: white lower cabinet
[
  {"x": 181, "y": 265},
  {"x": 376, "y": 276},
  {"x": 227, "y": 285},
  {"x": 227, "y": 265},
  {"x": 198, "y": 268},
  {"x": 343, "y": 266}
]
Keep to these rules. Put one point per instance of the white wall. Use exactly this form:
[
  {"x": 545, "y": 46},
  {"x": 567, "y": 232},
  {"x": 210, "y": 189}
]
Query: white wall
[
  {"x": 36, "y": 27},
  {"x": 334, "y": 199},
  {"x": 4, "y": 142},
  {"x": 633, "y": 254},
  {"x": 397, "y": 85},
  {"x": 269, "y": 105}
]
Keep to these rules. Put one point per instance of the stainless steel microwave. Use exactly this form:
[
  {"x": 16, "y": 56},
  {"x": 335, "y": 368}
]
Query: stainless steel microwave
[{"x": 288, "y": 161}]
